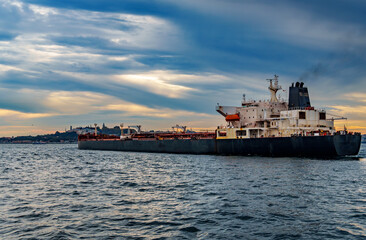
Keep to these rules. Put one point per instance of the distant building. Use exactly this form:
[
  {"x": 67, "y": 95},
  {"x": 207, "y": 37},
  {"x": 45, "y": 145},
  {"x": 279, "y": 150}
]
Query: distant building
[
  {"x": 82, "y": 130},
  {"x": 89, "y": 129},
  {"x": 85, "y": 130}
]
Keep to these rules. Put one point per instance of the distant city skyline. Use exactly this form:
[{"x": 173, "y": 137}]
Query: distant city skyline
[{"x": 164, "y": 62}]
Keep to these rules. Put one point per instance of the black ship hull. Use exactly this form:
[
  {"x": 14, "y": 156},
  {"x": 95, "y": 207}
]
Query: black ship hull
[{"x": 307, "y": 146}]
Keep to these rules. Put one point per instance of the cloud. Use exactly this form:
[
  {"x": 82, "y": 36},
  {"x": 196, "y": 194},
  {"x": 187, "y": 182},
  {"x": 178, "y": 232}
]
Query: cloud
[
  {"x": 57, "y": 103},
  {"x": 9, "y": 131},
  {"x": 355, "y": 110},
  {"x": 7, "y": 36},
  {"x": 356, "y": 96},
  {"x": 47, "y": 35},
  {"x": 5, "y": 68},
  {"x": 351, "y": 125},
  {"x": 154, "y": 84},
  {"x": 355, "y": 114},
  {"x": 42, "y": 11},
  {"x": 173, "y": 60},
  {"x": 288, "y": 21},
  {"x": 168, "y": 84},
  {"x": 9, "y": 115}
]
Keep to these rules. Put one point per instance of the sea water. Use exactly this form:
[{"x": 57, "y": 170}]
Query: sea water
[{"x": 60, "y": 192}]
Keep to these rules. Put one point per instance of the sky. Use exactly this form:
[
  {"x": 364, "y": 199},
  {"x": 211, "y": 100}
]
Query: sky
[{"x": 159, "y": 63}]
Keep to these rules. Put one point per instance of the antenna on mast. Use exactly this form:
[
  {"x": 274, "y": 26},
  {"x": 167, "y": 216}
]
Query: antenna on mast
[{"x": 273, "y": 88}]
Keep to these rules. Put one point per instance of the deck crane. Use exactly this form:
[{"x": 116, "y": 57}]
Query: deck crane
[
  {"x": 336, "y": 117},
  {"x": 183, "y": 128},
  {"x": 138, "y": 127}
]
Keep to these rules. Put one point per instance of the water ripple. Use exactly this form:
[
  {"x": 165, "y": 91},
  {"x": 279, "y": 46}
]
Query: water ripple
[{"x": 59, "y": 192}]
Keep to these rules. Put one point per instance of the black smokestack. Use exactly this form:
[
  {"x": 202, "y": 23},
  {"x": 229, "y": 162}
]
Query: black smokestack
[{"x": 298, "y": 97}]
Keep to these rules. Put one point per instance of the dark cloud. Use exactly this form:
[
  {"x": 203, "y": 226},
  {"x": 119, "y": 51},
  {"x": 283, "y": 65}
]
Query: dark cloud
[
  {"x": 96, "y": 43},
  {"x": 140, "y": 7},
  {"x": 323, "y": 43},
  {"x": 313, "y": 72},
  {"x": 351, "y": 11},
  {"x": 103, "y": 46},
  {"x": 7, "y": 36},
  {"x": 216, "y": 43}
]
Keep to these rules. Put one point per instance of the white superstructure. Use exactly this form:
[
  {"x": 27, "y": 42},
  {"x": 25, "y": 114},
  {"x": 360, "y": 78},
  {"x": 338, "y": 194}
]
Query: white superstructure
[{"x": 275, "y": 117}]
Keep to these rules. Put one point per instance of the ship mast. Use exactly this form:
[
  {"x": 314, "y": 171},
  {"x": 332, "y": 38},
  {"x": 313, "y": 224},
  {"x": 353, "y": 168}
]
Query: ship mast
[{"x": 273, "y": 88}]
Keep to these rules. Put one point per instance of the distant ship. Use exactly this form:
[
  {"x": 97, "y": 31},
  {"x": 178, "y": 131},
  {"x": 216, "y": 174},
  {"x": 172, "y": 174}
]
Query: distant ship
[{"x": 271, "y": 127}]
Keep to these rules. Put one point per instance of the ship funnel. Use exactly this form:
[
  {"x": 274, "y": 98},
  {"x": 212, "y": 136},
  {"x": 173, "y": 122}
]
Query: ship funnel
[{"x": 298, "y": 97}]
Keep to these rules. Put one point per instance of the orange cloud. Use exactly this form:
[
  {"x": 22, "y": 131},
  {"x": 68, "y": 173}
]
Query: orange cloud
[
  {"x": 351, "y": 125},
  {"x": 356, "y": 96},
  {"x": 11, "y": 114},
  {"x": 8, "y": 131},
  {"x": 356, "y": 116}
]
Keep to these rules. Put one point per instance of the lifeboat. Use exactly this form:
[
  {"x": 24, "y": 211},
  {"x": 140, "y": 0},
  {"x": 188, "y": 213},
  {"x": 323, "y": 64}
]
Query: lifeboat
[{"x": 232, "y": 117}]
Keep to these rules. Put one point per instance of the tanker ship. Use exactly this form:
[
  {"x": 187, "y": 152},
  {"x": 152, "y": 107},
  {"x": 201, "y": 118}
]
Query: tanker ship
[{"x": 272, "y": 127}]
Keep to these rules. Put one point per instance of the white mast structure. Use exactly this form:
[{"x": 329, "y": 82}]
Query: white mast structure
[{"x": 273, "y": 88}]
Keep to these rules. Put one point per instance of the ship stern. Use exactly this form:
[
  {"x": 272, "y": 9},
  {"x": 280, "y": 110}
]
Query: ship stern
[{"x": 346, "y": 145}]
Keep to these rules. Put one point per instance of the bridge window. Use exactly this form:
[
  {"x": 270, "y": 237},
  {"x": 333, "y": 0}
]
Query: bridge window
[
  {"x": 302, "y": 115},
  {"x": 241, "y": 133},
  {"x": 322, "y": 116}
]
